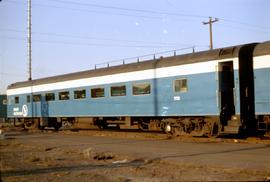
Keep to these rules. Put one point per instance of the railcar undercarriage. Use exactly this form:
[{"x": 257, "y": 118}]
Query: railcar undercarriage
[{"x": 178, "y": 126}]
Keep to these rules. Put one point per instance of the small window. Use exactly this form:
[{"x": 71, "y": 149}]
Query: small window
[
  {"x": 79, "y": 94},
  {"x": 28, "y": 98},
  {"x": 16, "y": 100},
  {"x": 64, "y": 95},
  {"x": 141, "y": 88},
  {"x": 49, "y": 97},
  {"x": 118, "y": 90},
  {"x": 4, "y": 102},
  {"x": 97, "y": 92},
  {"x": 37, "y": 98},
  {"x": 180, "y": 85}
]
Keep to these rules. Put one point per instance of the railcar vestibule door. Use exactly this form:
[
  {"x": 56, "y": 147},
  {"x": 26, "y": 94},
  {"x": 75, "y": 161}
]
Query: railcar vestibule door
[
  {"x": 246, "y": 87},
  {"x": 226, "y": 91}
]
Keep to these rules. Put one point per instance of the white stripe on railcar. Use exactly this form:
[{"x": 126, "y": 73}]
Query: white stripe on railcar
[
  {"x": 260, "y": 62},
  {"x": 180, "y": 70}
]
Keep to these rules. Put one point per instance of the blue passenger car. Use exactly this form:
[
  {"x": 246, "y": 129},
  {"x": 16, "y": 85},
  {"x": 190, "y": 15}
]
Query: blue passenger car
[
  {"x": 3, "y": 107},
  {"x": 204, "y": 93}
]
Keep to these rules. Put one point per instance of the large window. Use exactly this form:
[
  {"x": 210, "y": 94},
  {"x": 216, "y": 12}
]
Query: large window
[
  {"x": 49, "y": 97},
  {"x": 79, "y": 94},
  {"x": 118, "y": 90},
  {"x": 141, "y": 88},
  {"x": 180, "y": 85},
  {"x": 16, "y": 100},
  {"x": 37, "y": 98},
  {"x": 97, "y": 92},
  {"x": 64, "y": 95}
]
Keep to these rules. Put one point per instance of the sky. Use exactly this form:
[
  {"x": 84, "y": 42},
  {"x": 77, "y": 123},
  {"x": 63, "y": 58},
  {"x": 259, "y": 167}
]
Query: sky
[{"x": 75, "y": 35}]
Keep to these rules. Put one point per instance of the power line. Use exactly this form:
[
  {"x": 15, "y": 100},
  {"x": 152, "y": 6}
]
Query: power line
[
  {"x": 248, "y": 29},
  {"x": 92, "y": 38},
  {"x": 244, "y": 24},
  {"x": 128, "y": 9},
  {"x": 155, "y": 12},
  {"x": 103, "y": 45},
  {"x": 105, "y": 13},
  {"x": 89, "y": 44},
  {"x": 256, "y": 27}
]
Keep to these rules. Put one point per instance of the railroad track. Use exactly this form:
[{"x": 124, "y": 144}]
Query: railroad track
[
  {"x": 158, "y": 135},
  {"x": 138, "y": 134}
]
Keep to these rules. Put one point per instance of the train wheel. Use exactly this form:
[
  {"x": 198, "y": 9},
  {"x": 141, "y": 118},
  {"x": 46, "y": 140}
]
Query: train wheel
[
  {"x": 143, "y": 126},
  {"x": 57, "y": 125},
  {"x": 102, "y": 124},
  {"x": 30, "y": 124},
  {"x": 67, "y": 124}
]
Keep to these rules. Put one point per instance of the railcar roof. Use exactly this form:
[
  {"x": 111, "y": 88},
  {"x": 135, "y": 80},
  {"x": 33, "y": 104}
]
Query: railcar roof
[
  {"x": 262, "y": 49},
  {"x": 202, "y": 56}
]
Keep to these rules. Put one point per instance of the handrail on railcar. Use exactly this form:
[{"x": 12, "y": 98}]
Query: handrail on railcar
[{"x": 142, "y": 58}]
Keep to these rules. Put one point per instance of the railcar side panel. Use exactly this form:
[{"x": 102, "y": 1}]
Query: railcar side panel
[
  {"x": 198, "y": 100},
  {"x": 262, "y": 84}
]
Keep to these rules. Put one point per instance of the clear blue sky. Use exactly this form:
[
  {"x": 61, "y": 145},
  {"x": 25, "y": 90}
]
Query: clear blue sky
[{"x": 74, "y": 35}]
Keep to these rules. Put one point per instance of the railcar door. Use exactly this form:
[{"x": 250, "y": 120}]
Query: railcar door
[
  {"x": 246, "y": 87},
  {"x": 226, "y": 91}
]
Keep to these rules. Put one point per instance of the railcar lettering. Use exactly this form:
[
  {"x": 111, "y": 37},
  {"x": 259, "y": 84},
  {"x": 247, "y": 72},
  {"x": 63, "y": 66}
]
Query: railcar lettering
[
  {"x": 176, "y": 98},
  {"x": 23, "y": 112}
]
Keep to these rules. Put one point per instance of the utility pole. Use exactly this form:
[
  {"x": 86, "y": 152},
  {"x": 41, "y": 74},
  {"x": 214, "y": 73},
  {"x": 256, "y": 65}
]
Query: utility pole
[
  {"x": 210, "y": 28},
  {"x": 29, "y": 42},
  {"x": 30, "y": 55}
]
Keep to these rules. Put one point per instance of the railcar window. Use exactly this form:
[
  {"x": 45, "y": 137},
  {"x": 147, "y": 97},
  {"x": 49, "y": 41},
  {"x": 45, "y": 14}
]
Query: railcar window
[
  {"x": 49, "y": 97},
  {"x": 63, "y": 95},
  {"x": 79, "y": 94},
  {"x": 118, "y": 90},
  {"x": 37, "y": 98},
  {"x": 141, "y": 88},
  {"x": 16, "y": 100},
  {"x": 28, "y": 98},
  {"x": 97, "y": 92},
  {"x": 4, "y": 102},
  {"x": 180, "y": 85}
]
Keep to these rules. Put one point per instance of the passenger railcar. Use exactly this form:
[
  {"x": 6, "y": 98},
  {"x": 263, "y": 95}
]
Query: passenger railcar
[
  {"x": 205, "y": 93},
  {"x": 3, "y": 108}
]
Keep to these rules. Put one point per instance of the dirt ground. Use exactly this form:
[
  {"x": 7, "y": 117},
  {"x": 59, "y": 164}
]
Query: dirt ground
[{"x": 22, "y": 161}]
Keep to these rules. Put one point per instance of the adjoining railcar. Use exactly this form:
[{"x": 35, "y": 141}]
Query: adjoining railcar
[
  {"x": 261, "y": 65},
  {"x": 204, "y": 93},
  {"x": 3, "y": 107}
]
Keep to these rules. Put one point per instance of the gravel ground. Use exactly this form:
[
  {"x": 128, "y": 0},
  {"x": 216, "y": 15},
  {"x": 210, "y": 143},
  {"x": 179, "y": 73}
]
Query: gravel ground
[{"x": 29, "y": 156}]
